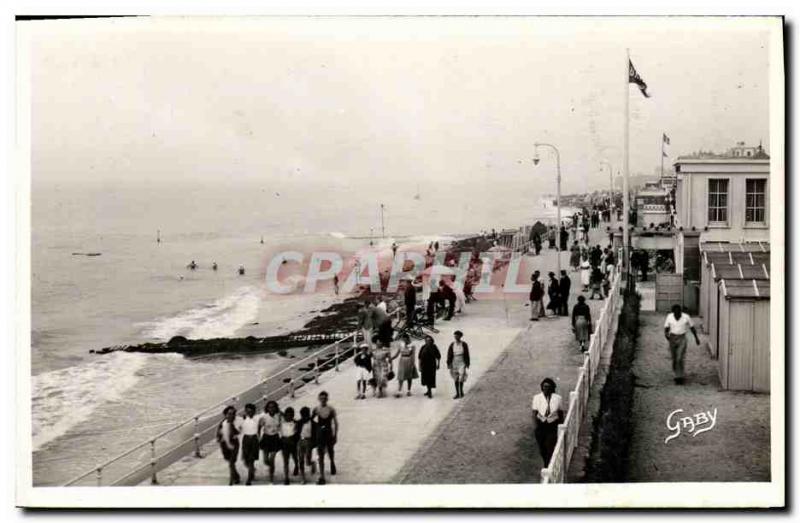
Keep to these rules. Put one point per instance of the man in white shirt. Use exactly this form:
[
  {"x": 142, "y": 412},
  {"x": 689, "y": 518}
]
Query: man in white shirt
[{"x": 676, "y": 327}]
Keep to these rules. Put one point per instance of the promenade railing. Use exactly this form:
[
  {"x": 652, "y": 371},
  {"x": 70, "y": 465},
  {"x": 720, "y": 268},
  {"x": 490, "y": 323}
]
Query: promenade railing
[
  {"x": 146, "y": 459},
  {"x": 568, "y": 431}
]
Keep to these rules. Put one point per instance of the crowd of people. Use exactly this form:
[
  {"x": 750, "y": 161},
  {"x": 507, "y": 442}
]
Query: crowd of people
[
  {"x": 595, "y": 266},
  {"x": 251, "y": 435}
]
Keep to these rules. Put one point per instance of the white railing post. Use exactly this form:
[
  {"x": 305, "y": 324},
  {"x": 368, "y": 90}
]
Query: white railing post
[
  {"x": 197, "y": 437},
  {"x": 99, "y": 476},
  {"x": 316, "y": 371},
  {"x": 291, "y": 382},
  {"x": 545, "y": 475},
  {"x": 336, "y": 358},
  {"x": 153, "y": 478}
]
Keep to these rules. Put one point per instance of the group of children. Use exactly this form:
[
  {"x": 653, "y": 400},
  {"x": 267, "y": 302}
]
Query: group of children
[{"x": 274, "y": 432}]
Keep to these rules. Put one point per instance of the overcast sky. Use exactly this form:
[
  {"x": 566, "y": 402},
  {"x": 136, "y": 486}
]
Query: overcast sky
[{"x": 318, "y": 101}]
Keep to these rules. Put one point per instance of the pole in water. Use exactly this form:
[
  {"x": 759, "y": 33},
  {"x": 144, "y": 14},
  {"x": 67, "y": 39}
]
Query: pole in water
[
  {"x": 158, "y": 236},
  {"x": 262, "y": 239}
]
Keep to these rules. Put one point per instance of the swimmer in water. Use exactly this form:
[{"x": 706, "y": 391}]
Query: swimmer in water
[
  {"x": 241, "y": 270},
  {"x": 214, "y": 266}
]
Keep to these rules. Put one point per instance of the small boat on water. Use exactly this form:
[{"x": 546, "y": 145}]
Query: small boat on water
[
  {"x": 87, "y": 253},
  {"x": 241, "y": 270}
]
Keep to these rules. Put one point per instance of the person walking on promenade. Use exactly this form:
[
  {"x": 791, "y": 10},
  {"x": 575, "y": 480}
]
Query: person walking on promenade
[
  {"x": 461, "y": 297},
  {"x": 228, "y": 438},
  {"x": 610, "y": 261},
  {"x": 644, "y": 263},
  {"x": 305, "y": 444},
  {"x": 410, "y": 299},
  {"x": 289, "y": 436},
  {"x": 553, "y": 292},
  {"x": 574, "y": 256},
  {"x": 270, "y": 423},
  {"x": 586, "y": 271},
  {"x": 363, "y": 363},
  {"x": 536, "y": 295},
  {"x": 394, "y": 249},
  {"x": 458, "y": 362},
  {"x": 585, "y": 231},
  {"x": 676, "y": 327},
  {"x": 596, "y": 283},
  {"x": 336, "y": 284},
  {"x": 250, "y": 451},
  {"x": 406, "y": 365},
  {"x": 595, "y": 255},
  {"x": 327, "y": 431},
  {"x": 563, "y": 238},
  {"x": 547, "y": 412},
  {"x": 429, "y": 358},
  {"x": 582, "y": 322},
  {"x": 381, "y": 367},
  {"x": 365, "y": 322},
  {"x": 551, "y": 237},
  {"x": 537, "y": 243},
  {"x": 564, "y": 285}
]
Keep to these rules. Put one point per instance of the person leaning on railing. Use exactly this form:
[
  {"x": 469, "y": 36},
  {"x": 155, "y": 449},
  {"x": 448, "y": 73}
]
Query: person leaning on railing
[{"x": 548, "y": 413}]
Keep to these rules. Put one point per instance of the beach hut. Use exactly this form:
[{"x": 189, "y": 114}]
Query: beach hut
[
  {"x": 718, "y": 272},
  {"x": 718, "y": 253},
  {"x": 744, "y": 335}
]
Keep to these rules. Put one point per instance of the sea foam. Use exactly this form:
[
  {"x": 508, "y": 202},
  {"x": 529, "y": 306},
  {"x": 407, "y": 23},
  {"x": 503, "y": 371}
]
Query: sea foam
[{"x": 64, "y": 398}]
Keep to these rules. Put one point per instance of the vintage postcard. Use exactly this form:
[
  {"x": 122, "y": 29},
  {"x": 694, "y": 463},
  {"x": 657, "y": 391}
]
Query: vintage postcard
[{"x": 413, "y": 262}]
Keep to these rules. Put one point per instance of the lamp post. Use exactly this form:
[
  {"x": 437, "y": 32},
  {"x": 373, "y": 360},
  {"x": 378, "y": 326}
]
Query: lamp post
[{"x": 558, "y": 198}]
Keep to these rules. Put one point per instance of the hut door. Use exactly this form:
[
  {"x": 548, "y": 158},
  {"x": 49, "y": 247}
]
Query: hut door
[{"x": 740, "y": 355}]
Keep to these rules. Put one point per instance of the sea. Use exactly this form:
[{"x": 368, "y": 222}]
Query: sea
[{"x": 87, "y": 407}]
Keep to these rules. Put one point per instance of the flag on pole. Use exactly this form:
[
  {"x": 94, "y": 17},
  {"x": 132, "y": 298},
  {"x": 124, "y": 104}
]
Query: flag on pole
[
  {"x": 666, "y": 139},
  {"x": 634, "y": 78}
]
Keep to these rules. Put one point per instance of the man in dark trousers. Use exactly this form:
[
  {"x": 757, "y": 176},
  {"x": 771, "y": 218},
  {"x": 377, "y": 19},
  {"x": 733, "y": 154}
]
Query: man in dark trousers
[
  {"x": 595, "y": 256},
  {"x": 644, "y": 263},
  {"x": 410, "y": 297},
  {"x": 536, "y": 295},
  {"x": 564, "y": 285}
]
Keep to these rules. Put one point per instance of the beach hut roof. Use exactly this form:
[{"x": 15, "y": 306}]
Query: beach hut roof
[
  {"x": 739, "y": 272},
  {"x": 735, "y": 246},
  {"x": 732, "y": 258},
  {"x": 745, "y": 289}
]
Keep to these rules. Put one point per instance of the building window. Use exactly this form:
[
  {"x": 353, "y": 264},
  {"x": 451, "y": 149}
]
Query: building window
[
  {"x": 755, "y": 201},
  {"x": 718, "y": 201}
]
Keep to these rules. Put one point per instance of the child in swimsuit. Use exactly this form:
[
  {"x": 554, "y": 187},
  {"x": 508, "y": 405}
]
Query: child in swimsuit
[
  {"x": 306, "y": 444},
  {"x": 327, "y": 429}
]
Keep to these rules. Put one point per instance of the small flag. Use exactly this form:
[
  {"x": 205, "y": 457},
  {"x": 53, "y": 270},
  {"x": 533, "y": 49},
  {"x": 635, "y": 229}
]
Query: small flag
[
  {"x": 634, "y": 78},
  {"x": 666, "y": 139}
]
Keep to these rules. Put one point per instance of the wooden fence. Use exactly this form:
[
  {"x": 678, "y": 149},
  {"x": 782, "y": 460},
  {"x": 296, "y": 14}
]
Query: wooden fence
[{"x": 568, "y": 431}]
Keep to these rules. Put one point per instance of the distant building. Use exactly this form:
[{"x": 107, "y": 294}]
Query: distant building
[{"x": 722, "y": 197}]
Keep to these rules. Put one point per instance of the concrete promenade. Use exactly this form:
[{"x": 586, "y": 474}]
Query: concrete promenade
[{"x": 442, "y": 440}]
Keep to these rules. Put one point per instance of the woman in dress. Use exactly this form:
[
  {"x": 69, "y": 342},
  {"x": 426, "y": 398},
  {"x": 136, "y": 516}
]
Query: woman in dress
[
  {"x": 270, "y": 424},
  {"x": 458, "y": 362},
  {"x": 548, "y": 413},
  {"x": 553, "y": 293},
  {"x": 429, "y": 358},
  {"x": 228, "y": 438},
  {"x": 586, "y": 271},
  {"x": 406, "y": 366},
  {"x": 574, "y": 256},
  {"x": 582, "y": 322},
  {"x": 381, "y": 367}
]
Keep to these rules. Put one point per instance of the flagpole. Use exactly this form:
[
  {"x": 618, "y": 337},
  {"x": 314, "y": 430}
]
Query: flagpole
[
  {"x": 625, "y": 198},
  {"x": 662, "y": 158}
]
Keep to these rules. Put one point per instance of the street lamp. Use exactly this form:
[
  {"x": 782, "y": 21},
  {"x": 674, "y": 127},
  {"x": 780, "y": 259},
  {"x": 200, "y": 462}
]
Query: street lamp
[
  {"x": 558, "y": 197},
  {"x": 610, "y": 186}
]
